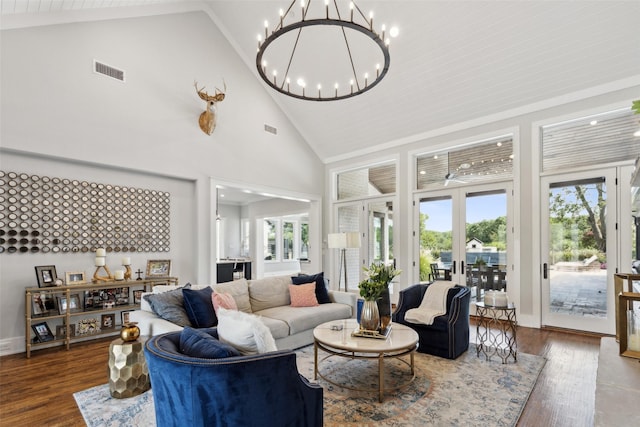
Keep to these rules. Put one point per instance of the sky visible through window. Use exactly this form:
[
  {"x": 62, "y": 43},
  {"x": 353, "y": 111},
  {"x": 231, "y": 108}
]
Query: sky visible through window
[{"x": 478, "y": 209}]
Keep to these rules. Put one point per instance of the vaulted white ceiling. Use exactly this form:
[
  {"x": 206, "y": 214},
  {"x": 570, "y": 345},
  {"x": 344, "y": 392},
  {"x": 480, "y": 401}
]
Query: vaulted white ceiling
[{"x": 453, "y": 62}]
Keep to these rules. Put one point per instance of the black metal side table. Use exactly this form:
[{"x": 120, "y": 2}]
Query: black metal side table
[{"x": 496, "y": 331}]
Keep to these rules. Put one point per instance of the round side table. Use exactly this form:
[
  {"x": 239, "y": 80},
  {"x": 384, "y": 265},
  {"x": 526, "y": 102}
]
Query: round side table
[
  {"x": 128, "y": 372},
  {"x": 496, "y": 331}
]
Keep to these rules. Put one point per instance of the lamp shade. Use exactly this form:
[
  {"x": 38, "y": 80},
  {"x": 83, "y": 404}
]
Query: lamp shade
[{"x": 343, "y": 240}]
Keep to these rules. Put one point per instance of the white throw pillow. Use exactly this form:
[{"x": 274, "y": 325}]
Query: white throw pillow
[{"x": 245, "y": 332}]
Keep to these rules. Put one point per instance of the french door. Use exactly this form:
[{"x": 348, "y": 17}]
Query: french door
[
  {"x": 373, "y": 220},
  {"x": 579, "y": 250},
  {"x": 465, "y": 233}
]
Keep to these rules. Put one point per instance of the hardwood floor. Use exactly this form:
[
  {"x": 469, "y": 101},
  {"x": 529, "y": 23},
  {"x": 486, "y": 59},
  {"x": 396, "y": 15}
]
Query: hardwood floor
[{"x": 39, "y": 390}]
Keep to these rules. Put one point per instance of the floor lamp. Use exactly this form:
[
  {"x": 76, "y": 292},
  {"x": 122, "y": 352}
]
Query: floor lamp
[{"x": 343, "y": 241}]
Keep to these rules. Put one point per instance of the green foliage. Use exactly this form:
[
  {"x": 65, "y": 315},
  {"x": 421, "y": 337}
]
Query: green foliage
[
  {"x": 635, "y": 106},
  {"x": 378, "y": 278},
  {"x": 425, "y": 267}
]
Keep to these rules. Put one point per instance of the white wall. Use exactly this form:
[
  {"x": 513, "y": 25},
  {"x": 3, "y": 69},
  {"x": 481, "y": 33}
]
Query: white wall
[{"x": 55, "y": 107}]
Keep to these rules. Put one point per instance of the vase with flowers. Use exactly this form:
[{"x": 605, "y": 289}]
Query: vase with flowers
[{"x": 374, "y": 289}]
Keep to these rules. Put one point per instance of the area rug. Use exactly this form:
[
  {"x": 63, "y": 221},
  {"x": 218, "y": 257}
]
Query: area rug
[{"x": 468, "y": 391}]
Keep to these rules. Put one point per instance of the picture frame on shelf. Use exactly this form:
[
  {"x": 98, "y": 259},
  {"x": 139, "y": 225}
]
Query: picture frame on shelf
[
  {"x": 88, "y": 326},
  {"x": 46, "y": 275},
  {"x": 75, "y": 277},
  {"x": 92, "y": 300},
  {"x": 124, "y": 316},
  {"x": 42, "y": 332},
  {"x": 108, "y": 321},
  {"x": 61, "y": 331},
  {"x": 43, "y": 303},
  {"x": 74, "y": 304},
  {"x": 122, "y": 296},
  {"x": 137, "y": 296},
  {"x": 158, "y": 268}
]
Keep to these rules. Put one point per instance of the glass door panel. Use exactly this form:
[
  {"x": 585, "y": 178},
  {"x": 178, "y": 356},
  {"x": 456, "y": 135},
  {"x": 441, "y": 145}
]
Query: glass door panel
[
  {"x": 579, "y": 238},
  {"x": 486, "y": 242},
  {"x": 463, "y": 237},
  {"x": 349, "y": 221}
]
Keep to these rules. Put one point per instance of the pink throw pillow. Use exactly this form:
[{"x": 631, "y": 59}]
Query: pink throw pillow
[
  {"x": 303, "y": 295},
  {"x": 224, "y": 301}
]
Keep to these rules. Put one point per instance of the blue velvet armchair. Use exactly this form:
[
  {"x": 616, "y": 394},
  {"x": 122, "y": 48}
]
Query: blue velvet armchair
[
  {"x": 448, "y": 336},
  {"x": 258, "y": 390}
]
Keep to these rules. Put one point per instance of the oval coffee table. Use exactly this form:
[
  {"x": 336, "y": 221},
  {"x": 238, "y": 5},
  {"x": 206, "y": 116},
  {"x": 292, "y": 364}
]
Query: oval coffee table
[{"x": 335, "y": 338}]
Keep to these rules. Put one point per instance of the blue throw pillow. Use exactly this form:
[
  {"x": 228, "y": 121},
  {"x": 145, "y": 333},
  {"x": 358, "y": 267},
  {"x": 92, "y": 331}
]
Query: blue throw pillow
[
  {"x": 199, "y": 307},
  {"x": 197, "y": 343},
  {"x": 321, "y": 290}
]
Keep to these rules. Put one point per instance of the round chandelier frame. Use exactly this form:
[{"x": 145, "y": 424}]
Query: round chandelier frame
[{"x": 356, "y": 88}]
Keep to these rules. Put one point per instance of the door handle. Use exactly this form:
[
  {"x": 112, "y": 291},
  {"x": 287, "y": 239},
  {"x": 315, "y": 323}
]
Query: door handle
[
  {"x": 544, "y": 270},
  {"x": 461, "y": 267},
  {"x": 454, "y": 267}
]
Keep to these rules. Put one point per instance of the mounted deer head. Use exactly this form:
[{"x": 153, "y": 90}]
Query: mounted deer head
[{"x": 207, "y": 119}]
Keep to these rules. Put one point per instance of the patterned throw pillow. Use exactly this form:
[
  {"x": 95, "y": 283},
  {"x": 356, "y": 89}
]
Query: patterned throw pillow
[{"x": 303, "y": 295}]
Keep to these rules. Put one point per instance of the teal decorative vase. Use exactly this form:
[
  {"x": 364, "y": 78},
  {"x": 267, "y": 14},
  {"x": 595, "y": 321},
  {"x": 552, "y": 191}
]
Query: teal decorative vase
[{"x": 370, "y": 318}]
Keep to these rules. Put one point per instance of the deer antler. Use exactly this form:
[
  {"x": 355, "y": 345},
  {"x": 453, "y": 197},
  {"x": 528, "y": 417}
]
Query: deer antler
[{"x": 219, "y": 96}]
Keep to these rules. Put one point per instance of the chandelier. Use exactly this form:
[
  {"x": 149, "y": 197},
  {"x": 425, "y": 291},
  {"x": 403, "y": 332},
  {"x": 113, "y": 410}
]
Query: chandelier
[{"x": 339, "y": 52}]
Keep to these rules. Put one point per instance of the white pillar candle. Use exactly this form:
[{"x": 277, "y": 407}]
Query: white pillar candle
[
  {"x": 126, "y": 260},
  {"x": 119, "y": 274},
  {"x": 100, "y": 261},
  {"x": 101, "y": 252}
]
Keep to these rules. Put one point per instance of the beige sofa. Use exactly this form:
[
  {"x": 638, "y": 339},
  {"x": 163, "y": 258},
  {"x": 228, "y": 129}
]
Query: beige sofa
[{"x": 291, "y": 327}]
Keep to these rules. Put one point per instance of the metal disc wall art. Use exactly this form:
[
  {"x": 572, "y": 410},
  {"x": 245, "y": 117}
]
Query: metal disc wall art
[{"x": 59, "y": 215}]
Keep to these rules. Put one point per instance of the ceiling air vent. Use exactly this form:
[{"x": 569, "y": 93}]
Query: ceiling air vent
[
  {"x": 108, "y": 71},
  {"x": 270, "y": 129}
]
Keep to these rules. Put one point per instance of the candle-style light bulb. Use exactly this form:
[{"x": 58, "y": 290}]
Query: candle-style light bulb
[
  {"x": 319, "y": 87},
  {"x": 326, "y": 7},
  {"x": 366, "y": 77},
  {"x": 275, "y": 73},
  {"x": 264, "y": 66},
  {"x": 377, "y": 70},
  {"x": 351, "y": 9},
  {"x": 288, "y": 82},
  {"x": 266, "y": 29},
  {"x": 281, "y": 17},
  {"x": 384, "y": 27},
  {"x": 336, "y": 88},
  {"x": 371, "y": 20},
  {"x": 351, "y": 83},
  {"x": 302, "y": 6}
]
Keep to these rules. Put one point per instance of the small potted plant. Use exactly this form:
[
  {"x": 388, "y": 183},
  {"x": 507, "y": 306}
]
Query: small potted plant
[{"x": 376, "y": 312}]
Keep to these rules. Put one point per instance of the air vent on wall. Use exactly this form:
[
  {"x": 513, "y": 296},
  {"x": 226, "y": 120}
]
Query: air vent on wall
[
  {"x": 270, "y": 129},
  {"x": 114, "y": 73}
]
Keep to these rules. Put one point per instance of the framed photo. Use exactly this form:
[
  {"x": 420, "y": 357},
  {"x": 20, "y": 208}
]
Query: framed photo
[
  {"x": 75, "y": 277},
  {"x": 124, "y": 316},
  {"x": 88, "y": 326},
  {"x": 158, "y": 268},
  {"x": 122, "y": 296},
  {"x": 137, "y": 296},
  {"x": 74, "y": 304},
  {"x": 92, "y": 300},
  {"x": 108, "y": 321},
  {"x": 43, "y": 303},
  {"x": 42, "y": 331},
  {"x": 61, "y": 331},
  {"x": 46, "y": 275},
  {"x": 108, "y": 298}
]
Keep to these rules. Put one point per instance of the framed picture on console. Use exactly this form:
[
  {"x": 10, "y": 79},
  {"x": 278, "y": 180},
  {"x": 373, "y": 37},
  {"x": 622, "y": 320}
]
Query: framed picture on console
[
  {"x": 124, "y": 316},
  {"x": 46, "y": 275},
  {"x": 137, "y": 296},
  {"x": 74, "y": 304},
  {"x": 42, "y": 332},
  {"x": 158, "y": 268},
  {"x": 61, "y": 331},
  {"x": 43, "y": 303},
  {"x": 108, "y": 321},
  {"x": 75, "y": 277}
]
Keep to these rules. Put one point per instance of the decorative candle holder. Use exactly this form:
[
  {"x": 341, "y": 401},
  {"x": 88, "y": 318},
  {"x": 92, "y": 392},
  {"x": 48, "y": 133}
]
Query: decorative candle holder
[
  {"x": 126, "y": 263},
  {"x": 98, "y": 278},
  {"x": 101, "y": 262}
]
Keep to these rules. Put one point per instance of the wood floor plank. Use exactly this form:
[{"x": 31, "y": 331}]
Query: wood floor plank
[{"x": 39, "y": 390}]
